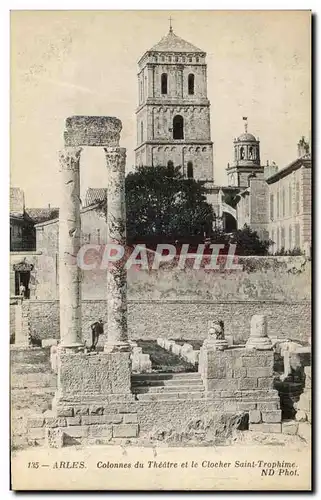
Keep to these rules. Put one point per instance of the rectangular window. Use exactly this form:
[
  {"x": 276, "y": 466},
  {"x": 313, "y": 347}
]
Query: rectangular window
[
  {"x": 278, "y": 205},
  {"x": 282, "y": 237},
  {"x": 271, "y": 206},
  {"x": 290, "y": 199},
  {"x": 297, "y": 198},
  {"x": 297, "y": 236},
  {"x": 273, "y": 241},
  {"x": 290, "y": 237},
  {"x": 283, "y": 202}
]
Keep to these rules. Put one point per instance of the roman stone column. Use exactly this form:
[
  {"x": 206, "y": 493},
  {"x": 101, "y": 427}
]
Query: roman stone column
[
  {"x": 117, "y": 339},
  {"x": 69, "y": 244}
]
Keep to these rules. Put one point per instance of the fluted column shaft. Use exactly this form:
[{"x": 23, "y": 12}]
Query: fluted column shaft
[
  {"x": 69, "y": 244},
  {"x": 117, "y": 339}
]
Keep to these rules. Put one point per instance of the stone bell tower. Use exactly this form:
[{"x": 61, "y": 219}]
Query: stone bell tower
[
  {"x": 246, "y": 159},
  {"x": 173, "y": 114}
]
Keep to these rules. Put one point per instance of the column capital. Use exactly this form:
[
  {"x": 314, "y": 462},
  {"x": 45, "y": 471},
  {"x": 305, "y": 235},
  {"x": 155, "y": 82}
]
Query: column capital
[
  {"x": 115, "y": 153},
  {"x": 69, "y": 157}
]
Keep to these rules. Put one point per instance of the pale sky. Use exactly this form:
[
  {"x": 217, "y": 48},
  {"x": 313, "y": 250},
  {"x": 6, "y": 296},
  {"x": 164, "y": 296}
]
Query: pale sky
[{"x": 67, "y": 63}]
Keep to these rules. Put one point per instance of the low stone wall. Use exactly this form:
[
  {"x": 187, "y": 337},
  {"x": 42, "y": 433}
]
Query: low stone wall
[{"x": 178, "y": 319}]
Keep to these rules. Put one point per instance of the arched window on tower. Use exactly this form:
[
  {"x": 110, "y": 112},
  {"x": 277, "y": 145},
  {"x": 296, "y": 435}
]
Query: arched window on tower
[
  {"x": 178, "y": 127},
  {"x": 141, "y": 132},
  {"x": 191, "y": 79},
  {"x": 190, "y": 172},
  {"x": 164, "y": 83}
]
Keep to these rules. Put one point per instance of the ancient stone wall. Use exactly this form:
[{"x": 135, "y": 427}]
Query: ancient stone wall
[
  {"x": 181, "y": 319},
  {"x": 277, "y": 278}
]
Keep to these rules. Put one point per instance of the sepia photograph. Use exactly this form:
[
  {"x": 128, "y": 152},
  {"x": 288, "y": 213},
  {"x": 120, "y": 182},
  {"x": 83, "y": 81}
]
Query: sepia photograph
[{"x": 160, "y": 250}]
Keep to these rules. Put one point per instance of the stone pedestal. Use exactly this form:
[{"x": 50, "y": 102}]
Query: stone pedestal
[
  {"x": 259, "y": 339},
  {"x": 84, "y": 377},
  {"x": 215, "y": 340},
  {"x": 245, "y": 378}
]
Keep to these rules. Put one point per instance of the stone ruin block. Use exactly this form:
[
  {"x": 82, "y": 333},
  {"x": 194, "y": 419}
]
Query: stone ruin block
[
  {"x": 185, "y": 350},
  {"x": 266, "y": 428},
  {"x": 230, "y": 340},
  {"x": 176, "y": 349},
  {"x": 193, "y": 357},
  {"x": 54, "y": 438},
  {"x": 258, "y": 338},
  {"x": 49, "y": 342},
  {"x": 244, "y": 374},
  {"x": 92, "y": 131},
  {"x": 54, "y": 358},
  {"x": 161, "y": 342},
  {"x": 145, "y": 363},
  {"x": 169, "y": 344},
  {"x": 82, "y": 375},
  {"x": 141, "y": 363},
  {"x": 304, "y": 405}
]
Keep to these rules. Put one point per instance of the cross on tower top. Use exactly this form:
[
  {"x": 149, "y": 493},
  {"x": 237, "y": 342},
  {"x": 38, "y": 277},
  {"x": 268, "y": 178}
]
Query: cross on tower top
[{"x": 170, "y": 24}]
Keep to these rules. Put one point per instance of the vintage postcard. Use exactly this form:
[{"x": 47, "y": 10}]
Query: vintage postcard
[{"x": 160, "y": 250}]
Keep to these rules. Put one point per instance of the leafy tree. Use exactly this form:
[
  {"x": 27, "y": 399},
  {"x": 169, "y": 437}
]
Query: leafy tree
[
  {"x": 162, "y": 206},
  {"x": 293, "y": 251},
  {"x": 248, "y": 242}
]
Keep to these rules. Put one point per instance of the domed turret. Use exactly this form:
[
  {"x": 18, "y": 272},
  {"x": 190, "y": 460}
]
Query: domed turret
[
  {"x": 246, "y": 137},
  {"x": 246, "y": 163},
  {"x": 246, "y": 148}
]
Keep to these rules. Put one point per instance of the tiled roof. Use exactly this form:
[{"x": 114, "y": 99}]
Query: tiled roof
[
  {"x": 42, "y": 214},
  {"x": 95, "y": 195},
  {"x": 173, "y": 43}
]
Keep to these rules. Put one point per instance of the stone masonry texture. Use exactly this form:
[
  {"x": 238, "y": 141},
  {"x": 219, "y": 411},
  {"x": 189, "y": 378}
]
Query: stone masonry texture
[
  {"x": 150, "y": 319},
  {"x": 82, "y": 375}
]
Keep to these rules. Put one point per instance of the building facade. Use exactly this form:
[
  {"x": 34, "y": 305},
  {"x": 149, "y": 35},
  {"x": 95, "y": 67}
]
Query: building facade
[
  {"x": 173, "y": 114},
  {"x": 289, "y": 205},
  {"x": 278, "y": 206}
]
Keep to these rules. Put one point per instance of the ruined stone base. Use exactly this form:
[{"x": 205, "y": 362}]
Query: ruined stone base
[
  {"x": 87, "y": 407},
  {"x": 86, "y": 425},
  {"x": 245, "y": 376},
  {"x": 92, "y": 375}
]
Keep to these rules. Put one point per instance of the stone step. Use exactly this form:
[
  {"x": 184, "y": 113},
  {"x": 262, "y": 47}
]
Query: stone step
[
  {"x": 170, "y": 396},
  {"x": 166, "y": 376},
  {"x": 167, "y": 383},
  {"x": 167, "y": 388}
]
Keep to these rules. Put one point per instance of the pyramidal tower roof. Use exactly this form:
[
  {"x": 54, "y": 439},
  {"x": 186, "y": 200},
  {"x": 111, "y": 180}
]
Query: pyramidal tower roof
[{"x": 173, "y": 43}]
